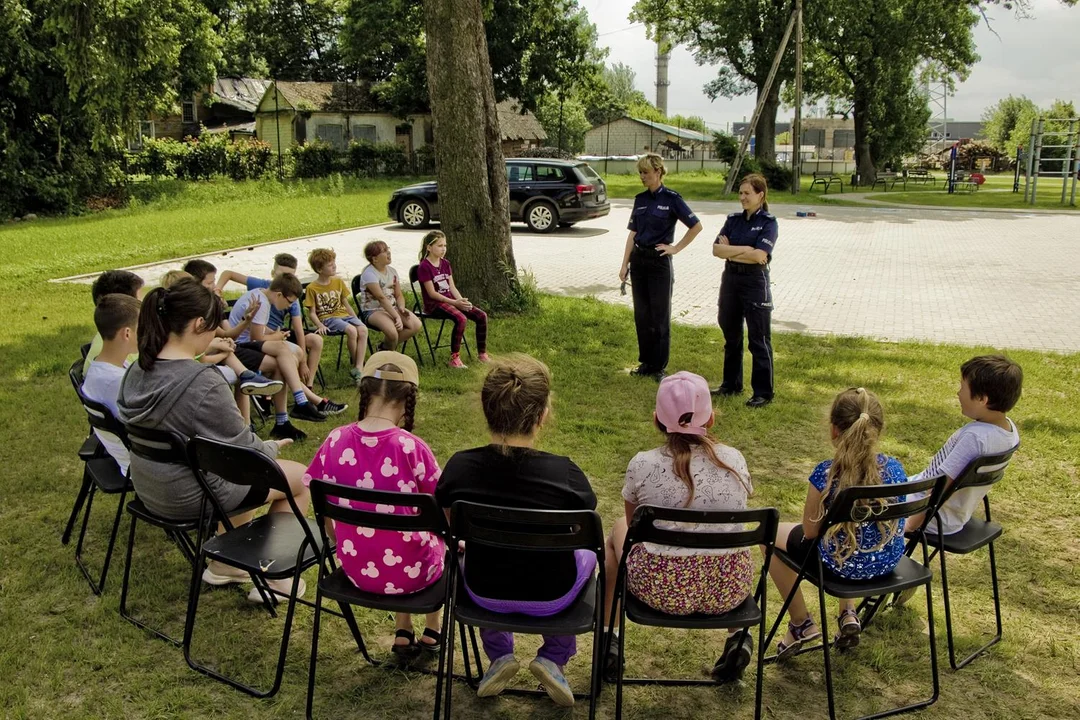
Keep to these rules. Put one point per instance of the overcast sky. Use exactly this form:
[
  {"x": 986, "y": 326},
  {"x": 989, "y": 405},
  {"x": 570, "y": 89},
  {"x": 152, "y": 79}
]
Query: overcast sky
[{"x": 1036, "y": 57}]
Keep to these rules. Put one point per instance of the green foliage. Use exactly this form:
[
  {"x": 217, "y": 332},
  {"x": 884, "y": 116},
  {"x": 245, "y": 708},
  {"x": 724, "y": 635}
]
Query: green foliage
[
  {"x": 566, "y": 120},
  {"x": 248, "y": 159},
  {"x": 314, "y": 159},
  {"x": 368, "y": 159},
  {"x": 209, "y": 156},
  {"x": 725, "y": 146},
  {"x": 777, "y": 176},
  {"x": 1004, "y": 117},
  {"x": 547, "y": 152}
]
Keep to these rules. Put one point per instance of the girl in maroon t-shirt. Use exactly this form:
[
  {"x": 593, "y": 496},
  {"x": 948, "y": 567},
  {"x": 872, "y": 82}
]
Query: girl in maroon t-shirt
[{"x": 442, "y": 299}]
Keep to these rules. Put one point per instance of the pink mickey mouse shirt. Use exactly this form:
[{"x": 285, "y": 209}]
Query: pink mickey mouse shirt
[{"x": 386, "y": 562}]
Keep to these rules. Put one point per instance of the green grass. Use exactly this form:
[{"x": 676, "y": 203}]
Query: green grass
[
  {"x": 66, "y": 654},
  {"x": 709, "y": 186}
]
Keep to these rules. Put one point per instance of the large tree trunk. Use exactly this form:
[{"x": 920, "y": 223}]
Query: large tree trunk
[
  {"x": 473, "y": 200},
  {"x": 765, "y": 133},
  {"x": 864, "y": 159}
]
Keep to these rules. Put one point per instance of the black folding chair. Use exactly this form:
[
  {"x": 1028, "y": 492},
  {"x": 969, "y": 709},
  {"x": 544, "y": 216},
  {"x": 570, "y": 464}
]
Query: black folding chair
[
  {"x": 271, "y": 547},
  {"x": 536, "y": 530},
  {"x": 336, "y": 586},
  {"x": 101, "y": 474},
  {"x": 418, "y": 310},
  {"x": 160, "y": 446},
  {"x": 357, "y": 288},
  {"x": 643, "y": 528},
  {"x": 850, "y": 506},
  {"x": 91, "y": 448},
  {"x": 309, "y": 327},
  {"x": 983, "y": 472}
]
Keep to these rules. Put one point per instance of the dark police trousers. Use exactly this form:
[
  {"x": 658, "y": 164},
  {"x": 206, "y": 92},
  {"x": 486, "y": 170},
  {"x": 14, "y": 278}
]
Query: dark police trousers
[
  {"x": 652, "y": 278},
  {"x": 745, "y": 294}
]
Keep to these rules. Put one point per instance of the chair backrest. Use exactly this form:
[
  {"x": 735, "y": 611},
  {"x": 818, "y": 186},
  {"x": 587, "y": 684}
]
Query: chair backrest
[
  {"x": 75, "y": 375},
  {"x": 846, "y": 506},
  {"x": 84, "y": 350},
  {"x": 982, "y": 471},
  {"x": 643, "y": 527},
  {"x": 238, "y": 465},
  {"x": 518, "y": 528},
  {"x": 418, "y": 295},
  {"x": 357, "y": 287},
  {"x": 155, "y": 445},
  {"x": 102, "y": 419},
  {"x": 429, "y": 517}
]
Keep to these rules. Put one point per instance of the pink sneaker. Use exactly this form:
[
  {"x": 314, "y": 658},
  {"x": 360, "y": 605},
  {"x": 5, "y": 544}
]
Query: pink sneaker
[
  {"x": 455, "y": 361},
  {"x": 483, "y": 357}
]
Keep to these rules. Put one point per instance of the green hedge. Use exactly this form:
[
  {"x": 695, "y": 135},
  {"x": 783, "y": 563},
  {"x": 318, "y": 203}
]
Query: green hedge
[{"x": 203, "y": 158}]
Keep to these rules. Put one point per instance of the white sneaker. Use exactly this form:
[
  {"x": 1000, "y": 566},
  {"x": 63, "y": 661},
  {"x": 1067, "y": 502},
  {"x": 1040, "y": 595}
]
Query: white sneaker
[
  {"x": 499, "y": 674},
  {"x": 280, "y": 591},
  {"x": 218, "y": 574},
  {"x": 551, "y": 677}
]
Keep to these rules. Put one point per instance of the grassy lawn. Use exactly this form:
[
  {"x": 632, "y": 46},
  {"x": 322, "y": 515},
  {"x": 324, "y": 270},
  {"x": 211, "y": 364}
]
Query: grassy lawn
[
  {"x": 67, "y": 654},
  {"x": 1047, "y": 198},
  {"x": 695, "y": 185}
]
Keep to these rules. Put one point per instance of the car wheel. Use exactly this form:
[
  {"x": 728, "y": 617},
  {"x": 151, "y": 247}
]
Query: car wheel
[
  {"x": 413, "y": 214},
  {"x": 542, "y": 217}
]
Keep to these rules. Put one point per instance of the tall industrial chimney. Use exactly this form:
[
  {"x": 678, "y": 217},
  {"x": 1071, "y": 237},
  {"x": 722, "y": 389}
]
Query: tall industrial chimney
[{"x": 663, "y": 56}]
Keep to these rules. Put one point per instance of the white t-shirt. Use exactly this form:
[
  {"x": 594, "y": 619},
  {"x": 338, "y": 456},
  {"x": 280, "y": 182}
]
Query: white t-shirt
[
  {"x": 102, "y": 384},
  {"x": 971, "y": 442},
  {"x": 261, "y": 317},
  {"x": 651, "y": 480},
  {"x": 386, "y": 281}
]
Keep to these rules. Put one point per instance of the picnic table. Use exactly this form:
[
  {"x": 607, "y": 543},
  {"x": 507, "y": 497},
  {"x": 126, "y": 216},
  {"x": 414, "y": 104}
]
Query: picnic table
[{"x": 826, "y": 179}]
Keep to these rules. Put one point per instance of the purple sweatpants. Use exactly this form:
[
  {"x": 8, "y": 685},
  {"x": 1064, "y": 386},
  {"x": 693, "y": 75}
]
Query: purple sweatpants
[{"x": 556, "y": 648}]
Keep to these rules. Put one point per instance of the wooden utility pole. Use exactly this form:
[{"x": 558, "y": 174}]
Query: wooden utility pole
[{"x": 761, "y": 102}]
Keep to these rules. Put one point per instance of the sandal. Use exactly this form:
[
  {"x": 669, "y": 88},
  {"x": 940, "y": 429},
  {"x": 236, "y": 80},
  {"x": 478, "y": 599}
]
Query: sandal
[
  {"x": 804, "y": 632},
  {"x": 409, "y": 649},
  {"x": 850, "y": 630},
  {"x": 436, "y": 640}
]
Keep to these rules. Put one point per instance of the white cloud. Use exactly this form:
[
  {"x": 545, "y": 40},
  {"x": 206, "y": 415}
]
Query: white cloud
[{"x": 1034, "y": 57}]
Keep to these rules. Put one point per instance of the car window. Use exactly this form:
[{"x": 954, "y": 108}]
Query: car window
[
  {"x": 548, "y": 173},
  {"x": 519, "y": 173},
  {"x": 587, "y": 171}
]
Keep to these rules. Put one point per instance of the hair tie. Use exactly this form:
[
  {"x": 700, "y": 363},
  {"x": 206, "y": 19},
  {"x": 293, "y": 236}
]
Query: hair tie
[
  {"x": 161, "y": 301},
  {"x": 860, "y": 390},
  {"x": 864, "y": 416}
]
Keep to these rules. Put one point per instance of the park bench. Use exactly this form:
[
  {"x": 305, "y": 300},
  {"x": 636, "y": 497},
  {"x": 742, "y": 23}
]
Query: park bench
[
  {"x": 887, "y": 180},
  {"x": 826, "y": 179},
  {"x": 921, "y": 175},
  {"x": 964, "y": 182}
]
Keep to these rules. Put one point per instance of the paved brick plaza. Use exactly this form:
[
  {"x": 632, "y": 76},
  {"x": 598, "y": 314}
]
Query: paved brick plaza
[{"x": 966, "y": 277}]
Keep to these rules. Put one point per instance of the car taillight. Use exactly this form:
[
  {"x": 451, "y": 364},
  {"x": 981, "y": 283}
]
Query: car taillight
[{"x": 582, "y": 189}]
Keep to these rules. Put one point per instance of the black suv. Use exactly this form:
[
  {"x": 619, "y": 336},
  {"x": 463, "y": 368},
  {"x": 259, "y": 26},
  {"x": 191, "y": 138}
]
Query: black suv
[{"x": 544, "y": 194}]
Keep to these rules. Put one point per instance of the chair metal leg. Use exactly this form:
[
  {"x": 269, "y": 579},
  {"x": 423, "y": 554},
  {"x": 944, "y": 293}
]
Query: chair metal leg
[
  {"x": 953, "y": 663},
  {"x": 99, "y": 586},
  {"x": 126, "y": 584},
  {"x": 314, "y": 651},
  {"x": 825, "y": 645},
  {"x": 80, "y": 499}
]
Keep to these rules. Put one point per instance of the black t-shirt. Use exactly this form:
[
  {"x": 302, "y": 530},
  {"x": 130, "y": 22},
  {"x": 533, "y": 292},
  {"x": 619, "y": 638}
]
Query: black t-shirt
[{"x": 520, "y": 478}]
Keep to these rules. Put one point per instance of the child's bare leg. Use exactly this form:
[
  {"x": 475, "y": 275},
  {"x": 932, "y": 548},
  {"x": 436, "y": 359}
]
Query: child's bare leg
[
  {"x": 243, "y": 404},
  {"x": 233, "y": 363},
  {"x": 357, "y": 338},
  {"x": 382, "y": 322},
  {"x": 784, "y": 577},
  {"x": 402, "y": 621},
  {"x": 287, "y": 368},
  {"x": 294, "y": 473},
  {"x": 313, "y": 344}
]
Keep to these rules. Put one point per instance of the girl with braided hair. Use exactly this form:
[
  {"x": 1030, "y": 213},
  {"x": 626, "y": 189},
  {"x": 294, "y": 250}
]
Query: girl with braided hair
[
  {"x": 380, "y": 452},
  {"x": 853, "y": 550}
]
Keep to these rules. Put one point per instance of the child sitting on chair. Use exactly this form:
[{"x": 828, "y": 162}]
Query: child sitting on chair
[
  {"x": 327, "y": 302},
  {"x": 117, "y": 319},
  {"x": 990, "y": 386},
  {"x": 107, "y": 283},
  {"x": 380, "y": 452},
  {"x": 856, "y": 551},
  {"x": 382, "y": 304},
  {"x": 511, "y": 472},
  {"x": 442, "y": 299},
  {"x": 691, "y": 470}
]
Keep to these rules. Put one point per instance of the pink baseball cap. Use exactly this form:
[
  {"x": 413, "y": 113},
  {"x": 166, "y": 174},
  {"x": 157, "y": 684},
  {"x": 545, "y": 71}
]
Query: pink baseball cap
[{"x": 679, "y": 394}]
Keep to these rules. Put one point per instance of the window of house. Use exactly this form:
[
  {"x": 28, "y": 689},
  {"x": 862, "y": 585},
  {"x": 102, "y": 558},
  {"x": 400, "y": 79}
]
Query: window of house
[
  {"x": 188, "y": 111},
  {"x": 365, "y": 132},
  {"x": 332, "y": 134}
]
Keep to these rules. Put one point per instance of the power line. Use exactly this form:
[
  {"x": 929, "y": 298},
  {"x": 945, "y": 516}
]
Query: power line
[{"x": 628, "y": 27}]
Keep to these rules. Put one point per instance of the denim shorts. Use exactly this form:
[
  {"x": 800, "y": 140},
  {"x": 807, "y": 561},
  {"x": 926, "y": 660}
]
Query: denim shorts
[{"x": 338, "y": 324}]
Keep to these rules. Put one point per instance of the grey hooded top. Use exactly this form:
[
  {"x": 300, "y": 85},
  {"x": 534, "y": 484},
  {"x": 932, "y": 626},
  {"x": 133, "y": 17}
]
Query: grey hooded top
[{"x": 189, "y": 398}]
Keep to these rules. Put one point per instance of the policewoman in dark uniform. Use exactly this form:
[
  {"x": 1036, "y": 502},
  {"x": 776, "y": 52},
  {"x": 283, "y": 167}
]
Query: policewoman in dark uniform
[
  {"x": 647, "y": 259},
  {"x": 746, "y": 243}
]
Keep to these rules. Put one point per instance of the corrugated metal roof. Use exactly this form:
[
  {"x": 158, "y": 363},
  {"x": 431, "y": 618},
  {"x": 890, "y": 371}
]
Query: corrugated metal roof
[
  {"x": 241, "y": 93},
  {"x": 681, "y": 133}
]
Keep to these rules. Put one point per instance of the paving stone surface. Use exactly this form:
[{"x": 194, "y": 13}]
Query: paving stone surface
[{"x": 966, "y": 277}]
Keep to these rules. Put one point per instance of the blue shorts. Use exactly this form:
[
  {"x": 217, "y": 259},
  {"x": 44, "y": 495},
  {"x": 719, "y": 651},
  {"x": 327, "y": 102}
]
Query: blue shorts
[
  {"x": 365, "y": 315},
  {"x": 338, "y": 324}
]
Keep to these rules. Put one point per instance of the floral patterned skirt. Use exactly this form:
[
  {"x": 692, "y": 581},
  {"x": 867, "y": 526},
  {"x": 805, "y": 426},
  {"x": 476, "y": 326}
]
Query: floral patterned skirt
[{"x": 684, "y": 585}]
